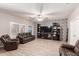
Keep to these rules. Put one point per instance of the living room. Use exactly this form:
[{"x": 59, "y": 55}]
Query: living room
[{"x": 21, "y": 35}]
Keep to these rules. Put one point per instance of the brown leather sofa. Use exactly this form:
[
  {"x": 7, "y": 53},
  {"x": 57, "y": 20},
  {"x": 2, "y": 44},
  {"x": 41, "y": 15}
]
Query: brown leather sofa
[
  {"x": 69, "y": 50},
  {"x": 9, "y": 44},
  {"x": 25, "y": 37}
]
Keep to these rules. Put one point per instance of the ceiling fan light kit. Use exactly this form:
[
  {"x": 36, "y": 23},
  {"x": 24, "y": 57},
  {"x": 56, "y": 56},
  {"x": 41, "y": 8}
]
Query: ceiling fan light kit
[{"x": 39, "y": 19}]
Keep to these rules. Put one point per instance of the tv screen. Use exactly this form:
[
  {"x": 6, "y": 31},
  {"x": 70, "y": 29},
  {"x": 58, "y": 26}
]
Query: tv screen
[{"x": 45, "y": 29}]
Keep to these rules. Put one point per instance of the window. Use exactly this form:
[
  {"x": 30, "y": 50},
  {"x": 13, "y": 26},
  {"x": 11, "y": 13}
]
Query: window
[{"x": 30, "y": 29}]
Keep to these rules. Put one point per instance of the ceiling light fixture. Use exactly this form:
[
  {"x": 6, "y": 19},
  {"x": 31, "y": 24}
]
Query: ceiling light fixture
[{"x": 39, "y": 17}]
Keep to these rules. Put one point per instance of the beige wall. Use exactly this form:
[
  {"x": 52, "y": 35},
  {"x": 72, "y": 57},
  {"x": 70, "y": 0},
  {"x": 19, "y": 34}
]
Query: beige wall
[
  {"x": 5, "y": 20},
  {"x": 73, "y": 25}
]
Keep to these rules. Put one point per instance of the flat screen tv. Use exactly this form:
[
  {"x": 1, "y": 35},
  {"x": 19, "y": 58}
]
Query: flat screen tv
[{"x": 45, "y": 29}]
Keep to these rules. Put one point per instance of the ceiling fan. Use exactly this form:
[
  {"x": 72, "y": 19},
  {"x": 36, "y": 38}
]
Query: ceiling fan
[{"x": 40, "y": 17}]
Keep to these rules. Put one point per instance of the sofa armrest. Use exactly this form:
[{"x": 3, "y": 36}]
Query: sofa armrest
[
  {"x": 68, "y": 46},
  {"x": 11, "y": 43},
  {"x": 15, "y": 39}
]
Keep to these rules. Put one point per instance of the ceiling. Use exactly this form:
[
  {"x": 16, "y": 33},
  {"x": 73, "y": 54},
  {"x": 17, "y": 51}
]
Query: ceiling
[{"x": 31, "y": 10}]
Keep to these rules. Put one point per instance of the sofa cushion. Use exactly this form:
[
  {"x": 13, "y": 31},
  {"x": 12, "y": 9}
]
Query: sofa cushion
[
  {"x": 68, "y": 46},
  {"x": 66, "y": 52},
  {"x": 76, "y": 49},
  {"x": 5, "y": 38}
]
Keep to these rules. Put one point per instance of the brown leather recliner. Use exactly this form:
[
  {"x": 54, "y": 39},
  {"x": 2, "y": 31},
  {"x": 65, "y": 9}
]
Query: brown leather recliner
[
  {"x": 25, "y": 37},
  {"x": 9, "y": 44},
  {"x": 69, "y": 50}
]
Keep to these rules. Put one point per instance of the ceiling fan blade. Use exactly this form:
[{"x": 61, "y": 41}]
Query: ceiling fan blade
[{"x": 53, "y": 13}]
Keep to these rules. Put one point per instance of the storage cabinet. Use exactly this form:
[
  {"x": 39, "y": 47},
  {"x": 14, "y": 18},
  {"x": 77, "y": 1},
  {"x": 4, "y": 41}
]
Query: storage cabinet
[{"x": 55, "y": 34}]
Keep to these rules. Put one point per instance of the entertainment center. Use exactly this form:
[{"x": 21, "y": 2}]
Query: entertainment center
[{"x": 49, "y": 32}]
